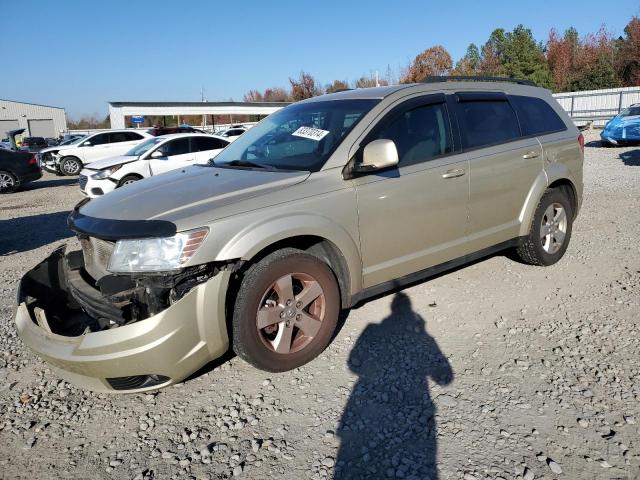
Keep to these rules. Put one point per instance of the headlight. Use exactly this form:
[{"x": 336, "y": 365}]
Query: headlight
[
  {"x": 156, "y": 254},
  {"x": 106, "y": 173}
]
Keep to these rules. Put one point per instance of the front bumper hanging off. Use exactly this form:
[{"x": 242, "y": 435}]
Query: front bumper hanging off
[{"x": 155, "y": 352}]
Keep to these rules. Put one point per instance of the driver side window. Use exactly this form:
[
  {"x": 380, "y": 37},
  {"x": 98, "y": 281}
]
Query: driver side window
[
  {"x": 420, "y": 134},
  {"x": 99, "y": 139}
]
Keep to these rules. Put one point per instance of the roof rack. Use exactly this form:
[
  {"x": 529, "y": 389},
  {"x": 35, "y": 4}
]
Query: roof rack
[{"x": 445, "y": 78}]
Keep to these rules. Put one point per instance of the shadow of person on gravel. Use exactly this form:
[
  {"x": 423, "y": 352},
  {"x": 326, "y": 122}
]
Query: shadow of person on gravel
[
  {"x": 22, "y": 234},
  {"x": 388, "y": 427},
  {"x": 631, "y": 158}
]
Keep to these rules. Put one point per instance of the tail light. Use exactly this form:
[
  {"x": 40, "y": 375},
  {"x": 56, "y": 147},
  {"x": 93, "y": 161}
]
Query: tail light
[
  {"x": 33, "y": 160},
  {"x": 581, "y": 142}
]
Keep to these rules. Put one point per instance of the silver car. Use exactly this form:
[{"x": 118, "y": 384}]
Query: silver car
[{"x": 318, "y": 207}]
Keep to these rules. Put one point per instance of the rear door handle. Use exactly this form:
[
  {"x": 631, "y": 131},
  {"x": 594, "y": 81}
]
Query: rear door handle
[
  {"x": 531, "y": 154},
  {"x": 456, "y": 172}
]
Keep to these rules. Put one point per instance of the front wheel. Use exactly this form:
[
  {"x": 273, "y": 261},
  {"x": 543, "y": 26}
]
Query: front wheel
[
  {"x": 286, "y": 311},
  {"x": 128, "y": 179},
  {"x": 550, "y": 230},
  {"x": 8, "y": 182},
  {"x": 70, "y": 166}
]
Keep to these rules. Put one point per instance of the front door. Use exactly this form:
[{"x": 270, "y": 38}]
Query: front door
[{"x": 415, "y": 216}]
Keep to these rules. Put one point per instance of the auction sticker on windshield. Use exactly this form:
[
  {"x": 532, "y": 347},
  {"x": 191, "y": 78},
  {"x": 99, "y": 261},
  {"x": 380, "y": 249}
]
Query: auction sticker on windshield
[{"x": 310, "y": 133}]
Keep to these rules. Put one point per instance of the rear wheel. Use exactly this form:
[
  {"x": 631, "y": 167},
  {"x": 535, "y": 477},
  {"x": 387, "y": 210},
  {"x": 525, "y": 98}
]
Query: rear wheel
[
  {"x": 127, "y": 179},
  {"x": 70, "y": 166},
  {"x": 8, "y": 182},
  {"x": 286, "y": 311},
  {"x": 550, "y": 230}
]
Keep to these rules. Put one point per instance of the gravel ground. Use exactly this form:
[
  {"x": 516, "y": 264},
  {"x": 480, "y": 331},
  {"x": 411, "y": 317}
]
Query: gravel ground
[{"x": 495, "y": 370}]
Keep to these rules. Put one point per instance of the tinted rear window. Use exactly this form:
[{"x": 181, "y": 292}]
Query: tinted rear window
[
  {"x": 487, "y": 122},
  {"x": 536, "y": 116}
]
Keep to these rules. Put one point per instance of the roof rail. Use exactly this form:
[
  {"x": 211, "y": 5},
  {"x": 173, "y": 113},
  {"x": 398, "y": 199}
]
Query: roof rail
[{"x": 456, "y": 78}]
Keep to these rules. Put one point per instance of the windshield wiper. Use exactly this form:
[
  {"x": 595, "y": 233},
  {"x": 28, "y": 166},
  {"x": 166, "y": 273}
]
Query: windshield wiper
[{"x": 243, "y": 163}]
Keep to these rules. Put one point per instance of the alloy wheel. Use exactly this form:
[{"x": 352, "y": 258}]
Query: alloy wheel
[
  {"x": 290, "y": 313},
  {"x": 553, "y": 228},
  {"x": 7, "y": 182}
]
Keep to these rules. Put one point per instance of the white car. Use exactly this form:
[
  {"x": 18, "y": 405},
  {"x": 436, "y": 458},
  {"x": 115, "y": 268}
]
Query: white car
[
  {"x": 152, "y": 157},
  {"x": 232, "y": 133},
  {"x": 69, "y": 159}
]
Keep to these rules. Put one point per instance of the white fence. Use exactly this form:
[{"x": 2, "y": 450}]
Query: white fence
[{"x": 597, "y": 106}]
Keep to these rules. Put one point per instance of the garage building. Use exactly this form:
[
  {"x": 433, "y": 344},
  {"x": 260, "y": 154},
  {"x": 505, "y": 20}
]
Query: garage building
[{"x": 37, "y": 120}]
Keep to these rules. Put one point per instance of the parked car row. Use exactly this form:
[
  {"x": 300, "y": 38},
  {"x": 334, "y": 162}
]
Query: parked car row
[{"x": 151, "y": 157}]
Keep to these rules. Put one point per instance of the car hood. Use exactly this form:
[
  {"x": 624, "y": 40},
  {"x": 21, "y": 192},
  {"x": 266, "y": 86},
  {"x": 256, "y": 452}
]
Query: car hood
[
  {"x": 56, "y": 149},
  {"x": 619, "y": 121},
  {"x": 111, "y": 162},
  {"x": 188, "y": 195}
]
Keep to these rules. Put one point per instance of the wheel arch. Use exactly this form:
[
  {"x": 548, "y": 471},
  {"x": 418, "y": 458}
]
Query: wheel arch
[
  {"x": 315, "y": 235},
  {"x": 557, "y": 177}
]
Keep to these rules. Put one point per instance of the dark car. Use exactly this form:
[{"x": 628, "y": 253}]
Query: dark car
[
  {"x": 157, "y": 131},
  {"x": 33, "y": 144},
  {"x": 52, "y": 142},
  {"x": 17, "y": 168}
]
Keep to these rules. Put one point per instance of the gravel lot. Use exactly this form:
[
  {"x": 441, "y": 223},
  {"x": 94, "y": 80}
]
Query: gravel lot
[{"x": 495, "y": 370}]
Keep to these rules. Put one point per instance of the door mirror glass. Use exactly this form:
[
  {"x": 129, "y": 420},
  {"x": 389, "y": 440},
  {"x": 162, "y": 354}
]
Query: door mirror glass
[
  {"x": 378, "y": 155},
  {"x": 157, "y": 154},
  {"x": 87, "y": 144}
]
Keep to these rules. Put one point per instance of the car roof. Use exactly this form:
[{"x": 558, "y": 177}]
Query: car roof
[
  {"x": 450, "y": 84},
  {"x": 188, "y": 134}
]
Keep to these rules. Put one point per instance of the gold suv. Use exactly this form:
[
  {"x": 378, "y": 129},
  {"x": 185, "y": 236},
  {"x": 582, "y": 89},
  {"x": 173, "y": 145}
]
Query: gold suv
[{"x": 321, "y": 205}]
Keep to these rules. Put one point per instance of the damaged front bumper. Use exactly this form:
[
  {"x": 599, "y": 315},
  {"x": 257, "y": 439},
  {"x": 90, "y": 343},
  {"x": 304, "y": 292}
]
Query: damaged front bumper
[{"x": 150, "y": 353}]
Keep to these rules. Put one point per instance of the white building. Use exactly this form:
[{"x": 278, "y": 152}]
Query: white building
[{"x": 37, "y": 120}]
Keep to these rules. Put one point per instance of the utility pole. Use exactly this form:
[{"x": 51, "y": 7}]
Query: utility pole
[
  {"x": 204, "y": 116},
  {"x": 377, "y": 82}
]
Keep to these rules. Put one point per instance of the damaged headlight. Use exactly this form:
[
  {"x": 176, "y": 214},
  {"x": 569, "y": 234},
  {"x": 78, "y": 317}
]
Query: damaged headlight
[
  {"x": 156, "y": 254},
  {"x": 106, "y": 173}
]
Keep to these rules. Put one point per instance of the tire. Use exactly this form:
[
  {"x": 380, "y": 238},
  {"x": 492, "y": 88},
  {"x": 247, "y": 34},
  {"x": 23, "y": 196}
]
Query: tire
[
  {"x": 293, "y": 334},
  {"x": 8, "y": 182},
  {"x": 543, "y": 246},
  {"x": 127, "y": 179},
  {"x": 70, "y": 166}
]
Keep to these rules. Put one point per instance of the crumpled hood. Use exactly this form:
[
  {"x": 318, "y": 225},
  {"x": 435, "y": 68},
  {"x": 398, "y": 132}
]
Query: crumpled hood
[
  {"x": 180, "y": 195},
  {"x": 55, "y": 149},
  {"x": 111, "y": 162}
]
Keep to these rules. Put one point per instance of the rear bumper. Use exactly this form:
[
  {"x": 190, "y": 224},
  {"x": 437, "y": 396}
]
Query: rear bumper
[
  {"x": 30, "y": 176},
  {"x": 148, "y": 354}
]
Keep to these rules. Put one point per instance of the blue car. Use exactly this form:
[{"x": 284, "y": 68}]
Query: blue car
[{"x": 624, "y": 128}]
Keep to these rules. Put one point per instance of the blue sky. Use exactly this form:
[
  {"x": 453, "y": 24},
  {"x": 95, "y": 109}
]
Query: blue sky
[{"x": 79, "y": 55}]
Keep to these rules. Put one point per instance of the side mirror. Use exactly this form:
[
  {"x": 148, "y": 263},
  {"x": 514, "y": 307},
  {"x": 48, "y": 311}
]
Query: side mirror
[
  {"x": 86, "y": 144},
  {"x": 157, "y": 154},
  {"x": 378, "y": 155}
]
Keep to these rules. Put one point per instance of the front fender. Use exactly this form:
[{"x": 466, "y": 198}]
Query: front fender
[{"x": 259, "y": 235}]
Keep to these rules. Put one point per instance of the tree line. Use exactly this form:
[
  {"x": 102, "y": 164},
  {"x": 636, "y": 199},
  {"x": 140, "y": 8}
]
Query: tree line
[{"x": 566, "y": 62}]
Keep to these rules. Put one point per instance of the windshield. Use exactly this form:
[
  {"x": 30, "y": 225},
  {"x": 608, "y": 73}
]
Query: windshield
[
  {"x": 144, "y": 147},
  {"x": 630, "y": 111},
  {"x": 298, "y": 137}
]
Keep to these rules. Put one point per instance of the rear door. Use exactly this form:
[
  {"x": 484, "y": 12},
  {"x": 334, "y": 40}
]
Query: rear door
[
  {"x": 503, "y": 166},
  {"x": 176, "y": 154},
  {"x": 415, "y": 216}
]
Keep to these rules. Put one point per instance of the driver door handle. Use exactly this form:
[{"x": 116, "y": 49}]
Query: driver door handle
[{"x": 456, "y": 172}]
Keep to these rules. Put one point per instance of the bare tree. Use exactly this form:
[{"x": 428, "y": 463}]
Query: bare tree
[
  {"x": 304, "y": 87},
  {"x": 434, "y": 61}
]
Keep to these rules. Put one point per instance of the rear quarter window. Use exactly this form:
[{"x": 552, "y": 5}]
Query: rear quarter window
[{"x": 536, "y": 116}]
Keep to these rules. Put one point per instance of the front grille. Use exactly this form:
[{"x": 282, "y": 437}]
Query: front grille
[
  {"x": 82, "y": 181},
  {"x": 136, "y": 381},
  {"x": 96, "y": 254}
]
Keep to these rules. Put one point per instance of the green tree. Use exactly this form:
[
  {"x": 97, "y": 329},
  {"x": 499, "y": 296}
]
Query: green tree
[
  {"x": 598, "y": 74},
  {"x": 522, "y": 57},
  {"x": 470, "y": 63}
]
